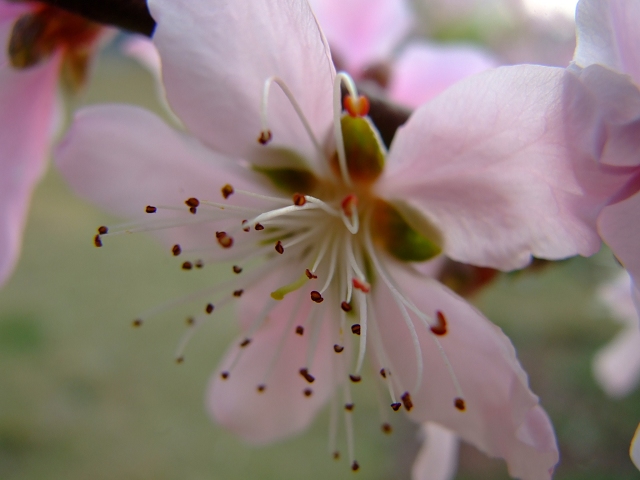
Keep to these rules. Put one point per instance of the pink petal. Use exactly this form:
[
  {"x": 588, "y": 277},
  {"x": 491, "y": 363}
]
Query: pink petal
[
  {"x": 216, "y": 86},
  {"x": 124, "y": 158},
  {"x": 608, "y": 35},
  {"x": 424, "y": 70},
  {"x": 616, "y": 367},
  {"x": 502, "y": 416},
  {"x": 618, "y": 101},
  {"x": 282, "y": 409},
  {"x": 10, "y": 11},
  {"x": 619, "y": 226},
  {"x": 144, "y": 51},
  {"x": 362, "y": 32},
  {"x": 27, "y": 112},
  {"x": 634, "y": 449},
  {"x": 490, "y": 164},
  {"x": 438, "y": 457}
]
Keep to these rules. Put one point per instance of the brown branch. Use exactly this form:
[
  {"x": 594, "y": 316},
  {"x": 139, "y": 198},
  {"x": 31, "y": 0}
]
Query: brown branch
[{"x": 131, "y": 15}]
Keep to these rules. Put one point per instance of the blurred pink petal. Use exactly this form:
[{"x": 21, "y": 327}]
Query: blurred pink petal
[
  {"x": 438, "y": 457},
  {"x": 142, "y": 49},
  {"x": 634, "y": 449},
  {"x": 488, "y": 163},
  {"x": 362, "y": 32},
  {"x": 617, "y": 365},
  {"x": 501, "y": 416},
  {"x": 422, "y": 70},
  {"x": 229, "y": 119},
  {"x": 608, "y": 35},
  {"x": 27, "y": 114}
]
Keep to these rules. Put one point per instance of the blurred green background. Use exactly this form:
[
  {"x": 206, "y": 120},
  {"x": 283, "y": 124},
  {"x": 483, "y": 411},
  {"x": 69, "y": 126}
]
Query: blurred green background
[{"x": 85, "y": 396}]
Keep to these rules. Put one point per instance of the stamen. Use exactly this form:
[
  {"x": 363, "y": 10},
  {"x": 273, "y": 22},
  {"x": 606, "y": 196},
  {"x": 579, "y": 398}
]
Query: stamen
[
  {"x": 316, "y": 297},
  {"x": 292, "y": 287},
  {"x": 338, "y": 348},
  {"x": 386, "y": 428},
  {"x": 266, "y": 133},
  {"x": 279, "y": 247},
  {"x": 237, "y": 269},
  {"x": 238, "y": 293},
  {"x": 306, "y": 375},
  {"x": 97, "y": 241},
  {"x": 300, "y": 330},
  {"x": 176, "y": 250},
  {"x": 150, "y": 209},
  {"x": 298, "y": 200},
  {"x": 310, "y": 275},
  {"x": 280, "y": 200},
  {"x": 209, "y": 308},
  {"x": 227, "y": 191},
  {"x": 441, "y": 327},
  {"x": 187, "y": 265},
  {"x": 355, "y": 329},
  {"x": 460, "y": 404},
  {"x": 224, "y": 240},
  {"x": 103, "y": 230},
  {"x": 362, "y": 306},
  {"x": 406, "y": 401},
  {"x": 341, "y": 79}
]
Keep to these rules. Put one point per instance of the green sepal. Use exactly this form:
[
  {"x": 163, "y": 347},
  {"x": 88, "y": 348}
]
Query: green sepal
[{"x": 404, "y": 232}]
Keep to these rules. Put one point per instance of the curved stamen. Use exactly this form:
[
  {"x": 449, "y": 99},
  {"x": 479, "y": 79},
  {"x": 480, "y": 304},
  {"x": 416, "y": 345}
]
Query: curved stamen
[
  {"x": 266, "y": 133},
  {"x": 342, "y": 78}
]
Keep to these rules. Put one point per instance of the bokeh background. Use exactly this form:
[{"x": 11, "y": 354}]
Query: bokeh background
[{"x": 85, "y": 396}]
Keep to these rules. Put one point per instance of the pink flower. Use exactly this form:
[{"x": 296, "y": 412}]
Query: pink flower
[
  {"x": 607, "y": 61},
  {"x": 30, "y": 65},
  {"x": 617, "y": 366},
  {"x": 321, "y": 240},
  {"x": 372, "y": 46}
]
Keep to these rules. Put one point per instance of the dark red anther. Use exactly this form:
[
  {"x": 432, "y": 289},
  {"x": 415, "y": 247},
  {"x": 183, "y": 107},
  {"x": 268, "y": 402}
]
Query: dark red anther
[
  {"x": 386, "y": 428},
  {"x": 279, "y": 247},
  {"x": 176, "y": 250},
  {"x": 355, "y": 378},
  {"x": 316, "y": 297},
  {"x": 396, "y": 406},
  {"x": 103, "y": 230},
  {"x": 245, "y": 342},
  {"x": 97, "y": 241},
  {"x": 307, "y": 376},
  {"x": 336, "y": 455},
  {"x": 180, "y": 359},
  {"x": 300, "y": 330},
  {"x": 460, "y": 404},
  {"x": 307, "y": 392},
  {"x": 245, "y": 227},
  {"x": 192, "y": 202},
  {"x": 261, "y": 388},
  {"x": 355, "y": 466},
  {"x": 349, "y": 407},
  {"x": 227, "y": 191},
  {"x": 209, "y": 308},
  {"x": 265, "y": 137},
  {"x": 198, "y": 264},
  {"x": 237, "y": 269},
  {"x": 190, "y": 321},
  {"x": 310, "y": 275},
  {"x": 441, "y": 327},
  {"x": 238, "y": 293},
  {"x": 338, "y": 348},
  {"x": 259, "y": 226},
  {"x": 193, "y": 210},
  {"x": 224, "y": 375},
  {"x": 346, "y": 306},
  {"x": 224, "y": 240},
  {"x": 299, "y": 199},
  {"x": 406, "y": 400},
  {"x": 355, "y": 329},
  {"x": 137, "y": 322},
  {"x": 150, "y": 209},
  {"x": 187, "y": 266},
  {"x": 383, "y": 373}
]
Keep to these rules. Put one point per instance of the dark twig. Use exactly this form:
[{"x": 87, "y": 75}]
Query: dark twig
[{"x": 131, "y": 15}]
